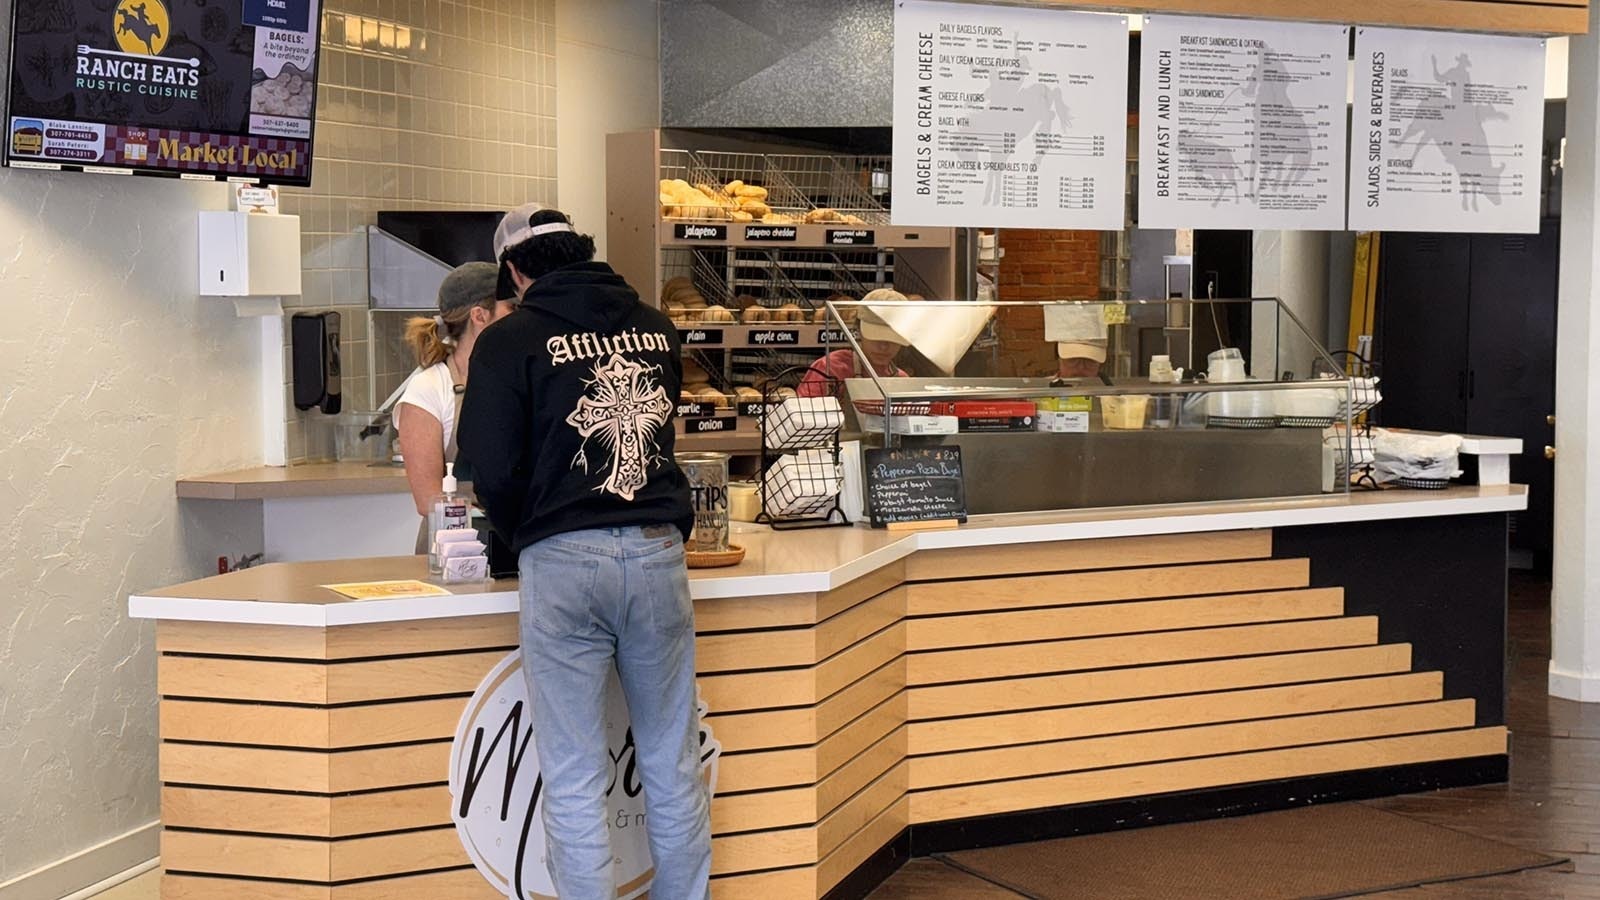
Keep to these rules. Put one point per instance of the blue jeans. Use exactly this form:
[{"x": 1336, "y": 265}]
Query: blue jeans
[{"x": 591, "y": 600}]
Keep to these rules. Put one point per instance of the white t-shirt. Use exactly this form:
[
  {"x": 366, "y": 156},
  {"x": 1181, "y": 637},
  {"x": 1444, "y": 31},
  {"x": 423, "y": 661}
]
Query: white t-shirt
[{"x": 433, "y": 390}]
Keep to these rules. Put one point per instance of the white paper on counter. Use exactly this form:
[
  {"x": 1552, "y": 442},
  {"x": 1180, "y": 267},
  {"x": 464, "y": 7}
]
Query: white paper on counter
[
  {"x": 1243, "y": 124},
  {"x": 1447, "y": 132},
  {"x": 1008, "y": 116}
]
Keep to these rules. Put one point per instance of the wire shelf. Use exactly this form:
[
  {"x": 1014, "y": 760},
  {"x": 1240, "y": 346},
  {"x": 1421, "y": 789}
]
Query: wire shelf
[
  {"x": 813, "y": 276},
  {"x": 842, "y": 184},
  {"x": 722, "y": 186},
  {"x": 706, "y": 275},
  {"x": 907, "y": 280}
]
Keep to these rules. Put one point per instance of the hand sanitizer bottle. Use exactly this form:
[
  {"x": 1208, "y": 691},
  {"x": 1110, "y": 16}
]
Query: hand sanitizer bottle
[{"x": 449, "y": 510}]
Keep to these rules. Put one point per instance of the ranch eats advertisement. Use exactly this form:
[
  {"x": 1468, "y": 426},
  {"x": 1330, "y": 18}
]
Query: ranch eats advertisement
[{"x": 218, "y": 88}]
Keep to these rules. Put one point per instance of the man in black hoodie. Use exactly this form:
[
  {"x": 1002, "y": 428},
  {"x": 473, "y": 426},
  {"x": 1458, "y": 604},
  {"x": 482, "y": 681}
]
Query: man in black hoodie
[{"x": 568, "y": 420}]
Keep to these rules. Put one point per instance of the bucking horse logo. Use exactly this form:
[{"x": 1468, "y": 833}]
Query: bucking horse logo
[{"x": 141, "y": 30}]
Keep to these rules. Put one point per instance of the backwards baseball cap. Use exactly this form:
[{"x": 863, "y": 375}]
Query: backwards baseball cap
[
  {"x": 468, "y": 285},
  {"x": 517, "y": 226}
]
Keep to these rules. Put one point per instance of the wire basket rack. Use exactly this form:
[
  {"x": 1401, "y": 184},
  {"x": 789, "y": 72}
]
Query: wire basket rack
[
  {"x": 758, "y": 368},
  {"x": 801, "y": 473},
  {"x": 844, "y": 184},
  {"x": 1363, "y": 375},
  {"x": 1353, "y": 461},
  {"x": 907, "y": 280},
  {"x": 705, "y": 269},
  {"x": 803, "y": 423},
  {"x": 801, "y": 487},
  {"x": 712, "y": 172},
  {"x": 812, "y": 276}
]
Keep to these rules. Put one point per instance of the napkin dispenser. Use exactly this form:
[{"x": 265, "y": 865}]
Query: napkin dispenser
[{"x": 314, "y": 343}]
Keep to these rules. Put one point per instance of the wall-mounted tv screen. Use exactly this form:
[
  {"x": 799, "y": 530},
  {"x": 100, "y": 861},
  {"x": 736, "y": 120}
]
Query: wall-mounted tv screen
[{"x": 203, "y": 89}]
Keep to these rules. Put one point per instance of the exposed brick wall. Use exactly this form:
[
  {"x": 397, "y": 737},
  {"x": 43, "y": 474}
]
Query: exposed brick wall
[{"x": 1041, "y": 265}]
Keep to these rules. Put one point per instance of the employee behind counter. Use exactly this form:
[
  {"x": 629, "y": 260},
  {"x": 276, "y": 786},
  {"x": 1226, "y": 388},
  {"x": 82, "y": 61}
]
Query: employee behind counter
[
  {"x": 879, "y": 343},
  {"x": 429, "y": 409}
]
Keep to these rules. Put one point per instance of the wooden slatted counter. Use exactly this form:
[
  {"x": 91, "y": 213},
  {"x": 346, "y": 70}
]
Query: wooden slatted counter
[{"x": 873, "y": 695}]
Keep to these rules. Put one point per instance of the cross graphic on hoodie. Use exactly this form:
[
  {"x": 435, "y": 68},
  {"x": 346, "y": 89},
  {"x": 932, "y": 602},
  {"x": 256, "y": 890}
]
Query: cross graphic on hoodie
[{"x": 624, "y": 406}]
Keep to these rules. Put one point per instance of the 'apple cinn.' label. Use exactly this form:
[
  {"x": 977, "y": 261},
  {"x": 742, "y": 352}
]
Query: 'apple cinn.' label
[
  {"x": 687, "y": 232},
  {"x": 775, "y": 337}
]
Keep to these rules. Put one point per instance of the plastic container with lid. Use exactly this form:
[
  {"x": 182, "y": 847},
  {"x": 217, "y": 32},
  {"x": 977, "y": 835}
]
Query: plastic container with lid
[
  {"x": 1124, "y": 413},
  {"x": 1225, "y": 366}
]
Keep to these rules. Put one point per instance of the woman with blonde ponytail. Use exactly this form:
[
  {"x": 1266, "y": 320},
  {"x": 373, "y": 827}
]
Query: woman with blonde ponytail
[{"x": 431, "y": 405}]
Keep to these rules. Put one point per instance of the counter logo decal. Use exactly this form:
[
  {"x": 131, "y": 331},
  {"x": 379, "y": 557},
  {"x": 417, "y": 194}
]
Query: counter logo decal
[
  {"x": 496, "y": 786},
  {"x": 142, "y": 27}
]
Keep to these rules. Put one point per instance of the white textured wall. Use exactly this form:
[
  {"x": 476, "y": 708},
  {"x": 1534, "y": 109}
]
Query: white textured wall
[
  {"x": 607, "y": 80},
  {"x": 1575, "y": 596},
  {"x": 115, "y": 379}
]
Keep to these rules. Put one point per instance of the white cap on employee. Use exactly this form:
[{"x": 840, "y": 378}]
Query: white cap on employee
[{"x": 873, "y": 325}]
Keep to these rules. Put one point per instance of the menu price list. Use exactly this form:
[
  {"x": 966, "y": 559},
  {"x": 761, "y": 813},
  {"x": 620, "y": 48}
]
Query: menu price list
[
  {"x": 1247, "y": 124},
  {"x": 1002, "y": 114},
  {"x": 1449, "y": 129},
  {"x": 915, "y": 485}
]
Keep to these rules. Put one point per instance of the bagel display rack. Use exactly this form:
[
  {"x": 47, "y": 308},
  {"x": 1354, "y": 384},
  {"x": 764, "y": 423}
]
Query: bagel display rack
[
  {"x": 1355, "y": 455},
  {"x": 801, "y": 476}
]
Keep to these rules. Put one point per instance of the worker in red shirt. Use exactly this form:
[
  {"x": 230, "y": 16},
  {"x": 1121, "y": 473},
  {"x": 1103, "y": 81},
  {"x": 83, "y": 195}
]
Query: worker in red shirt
[{"x": 879, "y": 343}]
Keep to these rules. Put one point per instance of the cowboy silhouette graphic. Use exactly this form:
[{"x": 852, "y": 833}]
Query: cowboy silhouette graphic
[
  {"x": 135, "y": 20},
  {"x": 1454, "y": 124}
]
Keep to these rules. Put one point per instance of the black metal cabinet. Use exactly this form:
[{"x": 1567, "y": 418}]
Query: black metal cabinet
[{"x": 1466, "y": 341}]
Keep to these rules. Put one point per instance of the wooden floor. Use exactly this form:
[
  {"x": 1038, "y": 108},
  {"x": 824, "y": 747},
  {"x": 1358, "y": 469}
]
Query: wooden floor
[{"x": 1552, "y": 803}]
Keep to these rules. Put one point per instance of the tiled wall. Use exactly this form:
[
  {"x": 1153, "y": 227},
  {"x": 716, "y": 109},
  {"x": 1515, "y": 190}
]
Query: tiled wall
[{"x": 424, "y": 104}]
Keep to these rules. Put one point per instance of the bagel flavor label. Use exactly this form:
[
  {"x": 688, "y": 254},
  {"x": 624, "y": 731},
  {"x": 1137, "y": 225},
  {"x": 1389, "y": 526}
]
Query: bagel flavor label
[
  {"x": 775, "y": 337},
  {"x": 687, "y": 232},
  {"x": 772, "y": 233},
  {"x": 699, "y": 336}
]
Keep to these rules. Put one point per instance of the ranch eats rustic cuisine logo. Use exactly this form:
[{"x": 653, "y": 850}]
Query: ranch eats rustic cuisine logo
[
  {"x": 140, "y": 29},
  {"x": 496, "y": 788}
]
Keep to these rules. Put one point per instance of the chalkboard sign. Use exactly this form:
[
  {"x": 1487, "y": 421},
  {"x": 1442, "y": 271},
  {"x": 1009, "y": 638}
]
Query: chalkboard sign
[{"x": 922, "y": 484}]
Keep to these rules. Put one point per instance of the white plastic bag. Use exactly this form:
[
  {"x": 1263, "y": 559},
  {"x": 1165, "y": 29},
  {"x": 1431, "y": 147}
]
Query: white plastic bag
[{"x": 1403, "y": 454}]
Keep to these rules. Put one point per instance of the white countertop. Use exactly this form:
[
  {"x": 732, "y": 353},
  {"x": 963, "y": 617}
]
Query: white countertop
[{"x": 791, "y": 562}]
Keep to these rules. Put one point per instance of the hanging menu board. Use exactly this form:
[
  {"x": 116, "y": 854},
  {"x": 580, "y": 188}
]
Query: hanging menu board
[
  {"x": 190, "y": 88},
  {"x": 1243, "y": 124},
  {"x": 1447, "y": 132},
  {"x": 922, "y": 484},
  {"x": 1009, "y": 117}
]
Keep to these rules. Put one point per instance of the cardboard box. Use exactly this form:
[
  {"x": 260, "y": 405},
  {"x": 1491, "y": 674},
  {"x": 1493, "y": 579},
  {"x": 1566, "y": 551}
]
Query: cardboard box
[
  {"x": 997, "y": 423},
  {"x": 1063, "y": 422}
]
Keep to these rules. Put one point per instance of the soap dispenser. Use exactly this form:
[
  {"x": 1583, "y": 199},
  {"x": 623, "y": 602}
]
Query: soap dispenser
[{"x": 449, "y": 511}]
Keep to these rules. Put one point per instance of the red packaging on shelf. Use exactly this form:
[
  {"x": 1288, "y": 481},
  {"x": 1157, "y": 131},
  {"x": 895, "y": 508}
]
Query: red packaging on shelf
[{"x": 995, "y": 409}]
